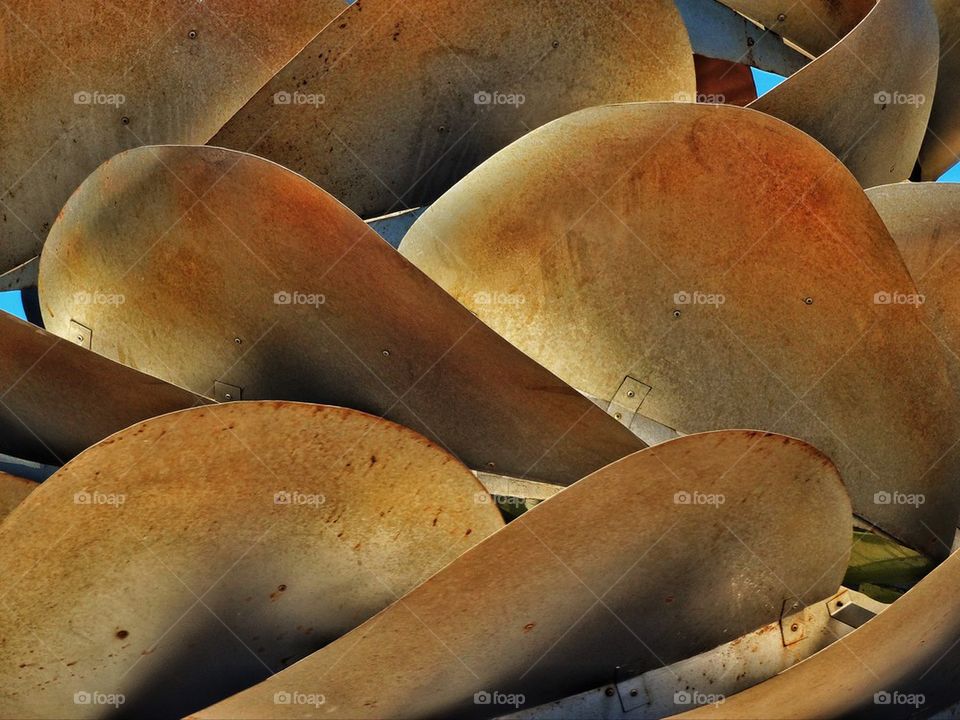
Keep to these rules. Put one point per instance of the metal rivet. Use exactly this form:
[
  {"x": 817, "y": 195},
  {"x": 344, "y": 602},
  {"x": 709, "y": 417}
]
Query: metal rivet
[
  {"x": 386, "y": 353},
  {"x": 751, "y": 42},
  {"x": 491, "y": 464},
  {"x": 238, "y": 341},
  {"x": 608, "y": 692},
  {"x": 633, "y": 693},
  {"x": 676, "y": 313},
  {"x": 555, "y": 44},
  {"x": 79, "y": 338},
  {"x": 808, "y": 301},
  {"x": 618, "y": 416},
  {"x": 442, "y": 129},
  {"x": 192, "y": 34},
  {"x": 630, "y": 393},
  {"x": 781, "y": 17},
  {"x": 125, "y": 120},
  {"x": 839, "y": 603},
  {"x": 228, "y": 396},
  {"x": 794, "y": 627}
]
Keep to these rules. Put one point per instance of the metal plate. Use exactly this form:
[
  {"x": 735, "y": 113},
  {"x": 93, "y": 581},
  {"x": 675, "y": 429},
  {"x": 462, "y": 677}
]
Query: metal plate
[
  {"x": 719, "y": 81},
  {"x": 57, "y": 398},
  {"x": 84, "y": 80},
  {"x": 814, "y": 25},
  {"x": 13, "y": 491},
  {"x": 624, "y": 227},
  {"x": 941, "y": 147},
  {"x": 460, "y": 81},
  {"x": 268, "y": 284},
  {"x": 868, "y": 99},
  {"x": 233, "y": 538},
  {"x": 905, "y": 662},
  {"x": 614, "y": 573},
  {"x": 924, "y": 220}
]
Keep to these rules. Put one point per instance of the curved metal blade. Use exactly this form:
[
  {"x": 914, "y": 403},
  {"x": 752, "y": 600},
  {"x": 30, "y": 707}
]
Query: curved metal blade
[
  {"x": 924, "y": 220},
  {"x": 84, "y": 80},
  {"x": 13, "y": 491},
  {"x": 614, "y": 573},
  {"x": 868, "y": 99},
  {"x": 726, "y": 270},
  {"x": 234, "y": 538},
  {"x": 57, "y": 399},
  {"x": 814, "y": 25},
  {"x": 941, "y": 147},
  {"x": 460, "y": 81},
  {"x": 905, "y": 662},
  {"x": 240, "y": 278}
]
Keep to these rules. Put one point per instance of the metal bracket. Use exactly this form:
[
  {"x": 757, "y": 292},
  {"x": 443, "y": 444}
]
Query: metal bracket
[
  {"x": 223, "y": 392},
  {"x": 628, "y": 399},
  {"x": 81, "y": 334},
  {"x": 793, "y": 622},
  {"x": 632, "y": 692},
  {"x": 853, "y": 608}
]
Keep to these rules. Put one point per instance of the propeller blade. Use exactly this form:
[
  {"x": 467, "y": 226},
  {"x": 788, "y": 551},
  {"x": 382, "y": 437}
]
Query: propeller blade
[
  {"x": 729, "y": 272},
  {"x": 243, "y": 280},
  {"x": 941, "y": 146},
  {"x": 868, "y": 99},
  {"x": 82, "y": 81},
  {"x": 57, "y": 399},
  {"x": 192, "y": 555},
  {"x": 814, "y": 25},
  {"x": 13, "y": 491},
  {"x": 615, "y": 572},
  {"x": 460, "y": 81}
]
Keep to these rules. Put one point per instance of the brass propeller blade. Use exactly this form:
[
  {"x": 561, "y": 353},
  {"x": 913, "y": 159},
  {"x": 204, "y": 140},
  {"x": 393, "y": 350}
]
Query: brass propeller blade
[
  {"x": 728, "y": 271},
  {"x": 868, "y": 99},
  {"x": 13, "y": 491},
  {"x": 905, "y": 662},
  {"x": 941, "y": 147},
  {"x": 458, "y": 80},
  {"x": 814, "y": 25},
  {"x": 192, "y": 555},
  {"x": 617, "y": 569},
  {"x": 924, "y": 220},
  {"x": 82, "y": 81},
  {"x": 57, "y": 398},
  {"x": 236, "y": 273}
]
